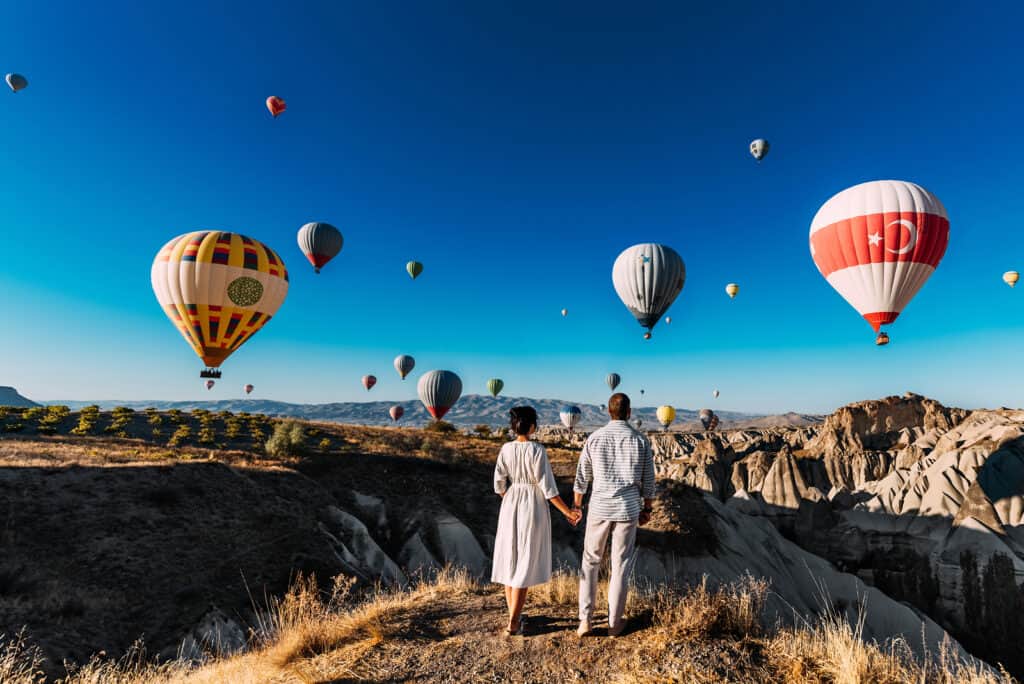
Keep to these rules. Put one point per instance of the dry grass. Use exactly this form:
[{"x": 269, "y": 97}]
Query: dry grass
[{"x": 699, "y": 635}]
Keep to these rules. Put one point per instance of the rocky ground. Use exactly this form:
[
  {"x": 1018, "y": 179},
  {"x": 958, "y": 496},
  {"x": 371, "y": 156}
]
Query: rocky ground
[{"x": 111, "y": 534}]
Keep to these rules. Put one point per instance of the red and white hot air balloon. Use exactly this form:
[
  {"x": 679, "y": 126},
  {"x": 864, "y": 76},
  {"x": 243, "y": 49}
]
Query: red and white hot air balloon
[
  {"x": 249, "y": 388},
  {"x": 210, "y": 384},
  {"x": 877, "y": 243},
  {"x": 396, "y": 412},
  {"x": 276, "y": 105},
  {"x": 369, "y": 381}
]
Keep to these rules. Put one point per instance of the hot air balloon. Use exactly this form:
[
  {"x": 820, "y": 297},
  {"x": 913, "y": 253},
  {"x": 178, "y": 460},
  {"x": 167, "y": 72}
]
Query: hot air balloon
[
  {"x": 666, "y": 414},
  {"x": 218, "y": 289},
  {"x": 647, "y": 278},
  {"x": 570, "y": 416},
  {"x": 882, "y": 339},
  {"x": 248, "y": 389},
  {"x": 320, "y": 242},
  {"x": 414, "y": 268},
  {"x": 877, "y": 243},
  {"x": 17, "y": 82},
  {"x": 641, "y": 393},
  {"x": 759, "y": 148},
  {"x": 705, "y": 417},
  {"x": 396, "y": 412},
  {"x": 638, "y": 422},
  {"x": 369, "y": 381},
  {"x": 732, "y": 289},
  {"x": 565, "y": 312},
  {"x": 612, "y": 380},
  {"x": 439, "y": 390},
  {"x": 404, "y": 364},
  {"x": 494, "y": 386},
  {"x": 668, "y": 320},
  {"x": 210, "y": 384},
  {"x": 1011, "y": 278},
  {"x": 276, "y": 105},
  {"x": 716, "y": 393}
]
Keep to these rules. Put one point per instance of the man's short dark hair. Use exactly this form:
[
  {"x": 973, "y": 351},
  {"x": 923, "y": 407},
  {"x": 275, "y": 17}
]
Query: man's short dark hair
[
  {"x": 522, "y": 419},
  {"x": 618, "y": 406}
]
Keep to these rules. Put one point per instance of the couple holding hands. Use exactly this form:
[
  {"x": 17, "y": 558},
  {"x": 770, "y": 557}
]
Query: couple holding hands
[{"x": 618, "y": 462}]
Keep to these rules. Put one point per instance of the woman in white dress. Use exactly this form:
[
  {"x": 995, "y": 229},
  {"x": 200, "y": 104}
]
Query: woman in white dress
[{"x": 522, "y": 547}]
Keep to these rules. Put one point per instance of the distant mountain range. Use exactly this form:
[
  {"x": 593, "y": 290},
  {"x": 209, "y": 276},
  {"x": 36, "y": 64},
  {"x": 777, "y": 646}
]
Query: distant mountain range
[
  {"x": 10, "y": 397},
  {"x": 472, "y": 409}
]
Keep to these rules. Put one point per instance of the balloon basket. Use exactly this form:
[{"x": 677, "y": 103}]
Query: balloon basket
[{"x": 213, "y": 373}]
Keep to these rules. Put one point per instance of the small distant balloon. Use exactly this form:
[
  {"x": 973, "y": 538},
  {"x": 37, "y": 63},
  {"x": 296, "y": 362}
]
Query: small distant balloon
[
  {"x": 668, "y": 320},
  {"x": 666, "y": 414},
  {"x": 732, "y": 289},
  {"x": 716, "y": 393},
  {"x": 612, "y": 380},
  {"x": 249, "y": 389},
  {"x": 641, "y": 393},
  {"x": 276, "y": 105},
  {"x": 570, "y": 416},
  {"x": 369, "y": 381},
  {"x": 494, "y": 386},
  {"x": 708, "y": 419},
  {"x": 414, "y": 268},
  {"x": 759, "y": 148},
  {"x": 1011, "y": 278},
  {"x": 210, "y": 384},
  {"x": 17, "y": 82},
  {"x": 404, "y": 364},
  {"x": 319, "y": 242},
  {"x": 565, "y": 312},
  {"x": 396, "y": 412}
]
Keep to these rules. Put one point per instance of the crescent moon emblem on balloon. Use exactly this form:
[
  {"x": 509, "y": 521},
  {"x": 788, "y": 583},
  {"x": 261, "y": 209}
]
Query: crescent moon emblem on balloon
[{"x": 909, "y": 225}]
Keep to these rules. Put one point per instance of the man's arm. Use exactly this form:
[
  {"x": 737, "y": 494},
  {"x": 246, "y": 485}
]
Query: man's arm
[
  {"x": 584, "y": 476},
  {"x": 647, "y": 483}
]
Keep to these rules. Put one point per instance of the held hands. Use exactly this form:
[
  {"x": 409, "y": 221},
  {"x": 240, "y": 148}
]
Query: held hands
[{"x": 574, "y": 516}]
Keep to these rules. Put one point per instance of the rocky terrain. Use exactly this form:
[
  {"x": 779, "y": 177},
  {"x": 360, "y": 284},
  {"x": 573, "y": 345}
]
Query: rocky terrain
[
  {"x": 471, "y": 410},
  {"x": 922, "y": 501},
  {"x": 176, "y": 527}
]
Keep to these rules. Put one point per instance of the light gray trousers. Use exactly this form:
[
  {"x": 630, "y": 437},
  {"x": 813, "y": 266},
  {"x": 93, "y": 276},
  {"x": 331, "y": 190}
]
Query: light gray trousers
[{"x": 623, "y": 555}]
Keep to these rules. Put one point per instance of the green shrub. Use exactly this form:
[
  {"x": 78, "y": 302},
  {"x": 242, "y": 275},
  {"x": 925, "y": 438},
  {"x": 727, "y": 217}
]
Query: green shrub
[
  {"x": 33, "y": 413},
  {"x": 180, "y": 435},
  {"x": 325, "y": 445},
  {"x": 14, "y": 427},
  {"x": 442, "y": 427},
  {"x": 288, "y": 439},
  {"x": 5, "y": 411},
  {"x": 232, "y": 428},
  {"x": 206, "y": 435}
]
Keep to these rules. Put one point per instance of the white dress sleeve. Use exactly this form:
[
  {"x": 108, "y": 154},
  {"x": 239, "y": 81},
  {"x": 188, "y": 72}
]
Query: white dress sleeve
[
  {"x": 546, "y": 478},
  {"x": 501, "y": 472}
]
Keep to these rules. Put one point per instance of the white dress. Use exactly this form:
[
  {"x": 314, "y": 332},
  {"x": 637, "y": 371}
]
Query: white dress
[{"x": 522, "y": 547}]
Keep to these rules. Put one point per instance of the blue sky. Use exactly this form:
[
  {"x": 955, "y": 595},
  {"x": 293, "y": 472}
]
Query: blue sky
[{"x": 515, "y": 149}]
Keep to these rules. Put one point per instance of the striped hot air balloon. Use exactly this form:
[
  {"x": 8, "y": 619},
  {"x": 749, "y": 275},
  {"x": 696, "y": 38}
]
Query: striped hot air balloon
[
  {"x": 612, "y": 380},
  {"x": 494, "y": 386},
  {"x": 759, "y": 148},
  {"x": 414, "y": 268},
  {"x": 396, "y": 412},
  {"x": 319, "y": 242},
  {"x": 404, "y": 364},
  {"x": 570, "y": 416},
  {"x": 439, "y": 390},
  {"x": 877, "y": 243},
  {"x": 218, "y": 289},
  {"x": 648, "y": 278}
]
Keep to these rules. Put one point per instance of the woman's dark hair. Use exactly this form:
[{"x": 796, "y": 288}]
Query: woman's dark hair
[{"x": 522, "y": 419}]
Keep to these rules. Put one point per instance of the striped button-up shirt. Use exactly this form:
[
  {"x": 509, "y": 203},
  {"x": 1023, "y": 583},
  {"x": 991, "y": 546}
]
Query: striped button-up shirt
[{"x": 619, "y": 462}]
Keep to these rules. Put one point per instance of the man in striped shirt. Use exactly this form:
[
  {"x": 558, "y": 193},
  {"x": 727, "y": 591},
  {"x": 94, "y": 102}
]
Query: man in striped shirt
[{"x": 618, "y": 461}]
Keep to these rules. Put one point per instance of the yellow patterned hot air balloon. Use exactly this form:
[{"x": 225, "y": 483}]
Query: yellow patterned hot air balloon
[
  {"x": 666, "y": 414},
  {"x": 218, "y": 289}
]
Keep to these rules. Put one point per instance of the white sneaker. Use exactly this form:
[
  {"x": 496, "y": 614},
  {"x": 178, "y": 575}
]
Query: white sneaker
[{"x": 584, "y": 628}]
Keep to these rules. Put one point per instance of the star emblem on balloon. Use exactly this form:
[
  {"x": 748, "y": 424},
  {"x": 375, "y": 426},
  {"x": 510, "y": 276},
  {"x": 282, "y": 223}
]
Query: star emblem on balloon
[{"x": 875, "y": 239}]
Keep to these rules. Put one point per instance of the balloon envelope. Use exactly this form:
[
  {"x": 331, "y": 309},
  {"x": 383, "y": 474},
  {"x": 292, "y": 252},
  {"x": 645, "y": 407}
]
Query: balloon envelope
[
  {"x": 565, "y": 312},
  {"x": 759, "y": 148},
  {"x": 396, "y": 412},
  {"x": 320, "y": 242},
  {"x": 17, "y": 82},
  {"x": 666, "y": 414},
  {"x": 210, "y": 384},
  {"x": 494, "y": 386},
  {"x": 218, "y": 289},
  {"x": 369, "y": 381},
  {"x": 1011, "y": 278},
  {"x": 414, "y": 268},
  {"x": 732, "y": 289},
  {"x": 570, "y": 416},
  {"x": 715, "y": 393},
  {"x": 708, "y": 418},
  {"x": 404, "y": 364},
  {"x": 648, "y": 278},
  {"x": 249, "y": 389},
  {"x": 276, "y": 105},
  {"x": 612, "y": 380},
  {"x": 877, "y": 243},
  {"x": 439, "y": 390}
]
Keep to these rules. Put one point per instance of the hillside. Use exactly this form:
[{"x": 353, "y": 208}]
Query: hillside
[
  {"x": 10, "y": 397},
  {"x": 177, "y": 527},
  {"x": 471, "y": 410}
]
